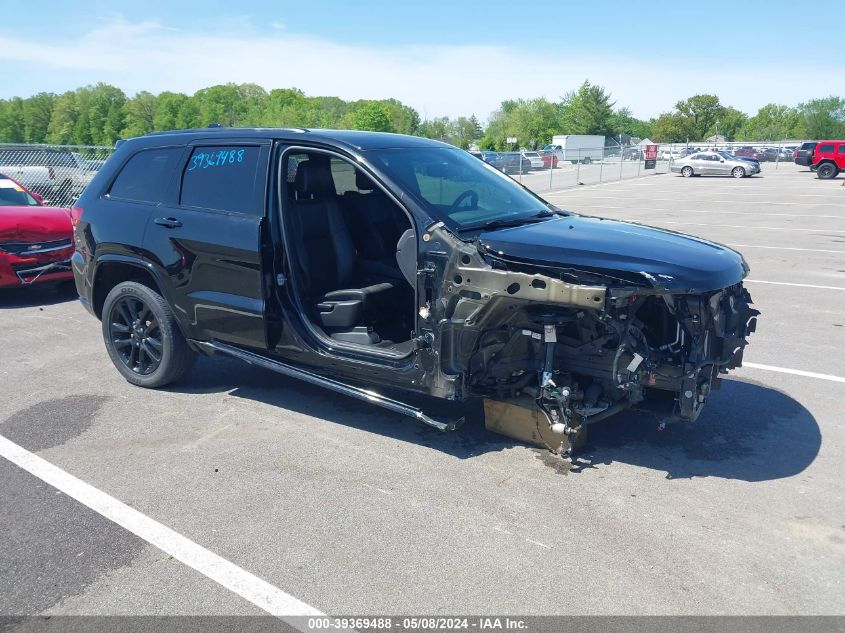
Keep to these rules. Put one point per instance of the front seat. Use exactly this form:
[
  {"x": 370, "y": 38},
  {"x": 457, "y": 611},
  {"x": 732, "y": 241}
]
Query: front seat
[{"x": 325, "y": 253}]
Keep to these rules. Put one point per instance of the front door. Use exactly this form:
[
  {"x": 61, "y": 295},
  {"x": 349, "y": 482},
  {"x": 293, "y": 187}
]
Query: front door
[
  {"x": 209, "y": 243},
  {"x": 720, "y": 165}
]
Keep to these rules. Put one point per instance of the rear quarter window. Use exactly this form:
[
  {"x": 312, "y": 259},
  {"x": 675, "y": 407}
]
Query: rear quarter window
[
  {"x": 842, "y": 148},
  {"x": 224, "y": 178},
  {"x": 145, "y": 176}
]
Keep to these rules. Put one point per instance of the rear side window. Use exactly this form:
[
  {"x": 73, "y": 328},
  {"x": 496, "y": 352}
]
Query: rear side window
[
  {"x": 145, "y": 176},
  {"x": 826, "y": 148},
  {"x": 842, "y": 148},
  {"x": 224, "y": 178}
]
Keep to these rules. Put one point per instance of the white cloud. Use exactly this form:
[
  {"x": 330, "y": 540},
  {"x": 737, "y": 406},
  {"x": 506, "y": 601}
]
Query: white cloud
[{"x": 437, "y": 80}]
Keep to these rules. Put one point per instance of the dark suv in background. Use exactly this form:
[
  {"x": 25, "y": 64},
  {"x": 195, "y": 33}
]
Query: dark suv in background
[
  {"x": 360, "y": 261},
  {"x": 804, "y": 154}
]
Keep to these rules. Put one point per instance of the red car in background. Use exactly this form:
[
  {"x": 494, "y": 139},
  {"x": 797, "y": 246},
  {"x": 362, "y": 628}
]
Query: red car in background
[
  {"x": 35, "y": 241},
  {"x": 549, "y": 159},
  {"x": 750, "y": 152}
]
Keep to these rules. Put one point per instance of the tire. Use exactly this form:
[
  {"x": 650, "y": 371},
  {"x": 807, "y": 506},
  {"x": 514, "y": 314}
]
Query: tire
[
  {"x": 587, "y": 161},
  {"x": 687, "y": 172},
  {"x": 738, "y": 172},
  {"x": 826, "y": 171},
  {"x": 142, "y": 337}
]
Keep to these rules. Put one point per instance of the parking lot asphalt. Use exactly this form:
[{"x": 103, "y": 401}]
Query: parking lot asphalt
[{"x": 355, "y": 510}]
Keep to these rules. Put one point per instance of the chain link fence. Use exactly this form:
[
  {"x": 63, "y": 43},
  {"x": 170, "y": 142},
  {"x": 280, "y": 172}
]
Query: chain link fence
[
  {"x": 545, "y": 171},
  {"x": 550, "y": 170},
  {"x": 55, "y": 173},
  {"x": 59, "y": 173},
  {"x": 774, "y": 152}
]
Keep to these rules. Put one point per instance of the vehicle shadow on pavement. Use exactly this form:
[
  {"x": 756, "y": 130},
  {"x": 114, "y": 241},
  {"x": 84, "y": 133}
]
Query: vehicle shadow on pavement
[
  {"x": 37, "y": 295},
  {"x": 747, "y": 431}
]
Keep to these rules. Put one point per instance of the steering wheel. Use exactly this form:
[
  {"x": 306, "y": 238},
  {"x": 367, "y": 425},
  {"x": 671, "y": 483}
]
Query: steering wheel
[{"x": 469, "y": 193}]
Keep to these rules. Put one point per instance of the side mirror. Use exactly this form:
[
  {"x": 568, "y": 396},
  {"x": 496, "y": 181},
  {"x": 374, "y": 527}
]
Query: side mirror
[{"x": 721, "y": 160}]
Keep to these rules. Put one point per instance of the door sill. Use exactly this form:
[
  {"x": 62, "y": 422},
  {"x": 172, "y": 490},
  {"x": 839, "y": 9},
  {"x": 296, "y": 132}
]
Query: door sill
[{"x": 334, "y": 385}]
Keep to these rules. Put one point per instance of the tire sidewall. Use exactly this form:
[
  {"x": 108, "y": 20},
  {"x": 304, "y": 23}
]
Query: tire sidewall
[
  {"x": 154, "y": 302},
  {"x": 686, "y": 172},
  {"x": 826, "y": 171},
  {"x": 738, "y": 172}
]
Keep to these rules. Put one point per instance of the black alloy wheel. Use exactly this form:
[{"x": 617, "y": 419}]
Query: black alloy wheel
[
  {"x": 142, "y": 336},
  {"x": 135, "y": 335}
]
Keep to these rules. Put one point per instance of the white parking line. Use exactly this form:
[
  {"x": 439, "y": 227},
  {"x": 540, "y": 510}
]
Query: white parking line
[
  {"x": 786, "y": 248},
  {"x": 787, "y": 215},
  {"x": 786, "y": 283},
  {"x": 756, "y": 200},
  {"x": 259, "y": 592},
  {"x": 756, "y": 228},
  {"x": 593, "y": 186},
  {"x": 794, "y": 372},
  {"x": 578, "y": 204}
]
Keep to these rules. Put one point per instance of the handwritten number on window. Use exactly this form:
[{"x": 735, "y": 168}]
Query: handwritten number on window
[{"x": 219, "y": 158}]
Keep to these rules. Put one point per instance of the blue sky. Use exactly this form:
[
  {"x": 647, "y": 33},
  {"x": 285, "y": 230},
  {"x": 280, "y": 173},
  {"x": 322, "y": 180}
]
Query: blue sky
[{"x": 451, "y": 58}]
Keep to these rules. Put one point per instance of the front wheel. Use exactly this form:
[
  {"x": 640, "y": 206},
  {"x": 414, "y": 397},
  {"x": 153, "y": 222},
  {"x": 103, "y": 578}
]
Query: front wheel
[
  {"x": 826, "y": 171},
  {"x": 738, "y": 172},
  {"x": 687, "y": 172},
  {"x": 142, "y": 337},
  {"x": 587, "y": 160}
]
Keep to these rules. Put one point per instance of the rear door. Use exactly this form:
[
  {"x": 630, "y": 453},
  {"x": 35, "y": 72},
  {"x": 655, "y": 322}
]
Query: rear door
[
  {"x": 212, "y": 243},
  {"x": 699, "y": 164}
]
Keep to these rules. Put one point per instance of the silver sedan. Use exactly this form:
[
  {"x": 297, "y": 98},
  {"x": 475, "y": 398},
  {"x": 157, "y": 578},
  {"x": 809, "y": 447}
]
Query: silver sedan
[{"x": 713, "y": 164}]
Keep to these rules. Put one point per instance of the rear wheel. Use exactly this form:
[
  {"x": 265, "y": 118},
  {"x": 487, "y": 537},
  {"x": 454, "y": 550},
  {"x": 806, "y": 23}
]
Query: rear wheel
[
  {"x": 826, "y": 171},
  {"x": 142, "y": 337},
  {"x": 587, "y": 160},
  {"x": 738, "y": 172},
  {"x": 687, "y": 172}
]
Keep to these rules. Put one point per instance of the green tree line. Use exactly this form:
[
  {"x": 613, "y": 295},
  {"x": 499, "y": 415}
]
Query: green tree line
[{"x": 101, "y": 114}]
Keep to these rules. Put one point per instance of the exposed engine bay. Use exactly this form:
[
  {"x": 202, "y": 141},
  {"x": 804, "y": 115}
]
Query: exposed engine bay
[{"x": 575, "y": 346}]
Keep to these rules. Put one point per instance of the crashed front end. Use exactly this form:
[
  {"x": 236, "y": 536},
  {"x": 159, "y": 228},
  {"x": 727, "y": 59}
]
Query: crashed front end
[{"x": 553, "y": 347}]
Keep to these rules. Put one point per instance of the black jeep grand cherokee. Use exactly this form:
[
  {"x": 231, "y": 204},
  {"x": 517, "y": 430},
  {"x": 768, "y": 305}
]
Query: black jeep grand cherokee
[{"x": 360, "y": 261}]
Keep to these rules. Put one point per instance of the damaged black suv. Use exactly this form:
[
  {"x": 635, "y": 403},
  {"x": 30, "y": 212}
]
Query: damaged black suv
[{"x": 365, "y": 262}]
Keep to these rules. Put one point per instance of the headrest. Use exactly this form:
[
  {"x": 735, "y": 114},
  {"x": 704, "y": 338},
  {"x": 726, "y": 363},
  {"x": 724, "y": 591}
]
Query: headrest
[
  {"x": 363, "y": 181},
  {"x": 314, "y": 178}
]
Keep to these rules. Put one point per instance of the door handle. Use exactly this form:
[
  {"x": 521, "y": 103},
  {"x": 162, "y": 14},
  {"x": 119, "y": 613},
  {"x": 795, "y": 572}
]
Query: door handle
[{"x": 170, "y": 223}]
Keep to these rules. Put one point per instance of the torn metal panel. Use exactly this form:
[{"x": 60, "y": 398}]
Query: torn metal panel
[{"x": 552, "y": 351}]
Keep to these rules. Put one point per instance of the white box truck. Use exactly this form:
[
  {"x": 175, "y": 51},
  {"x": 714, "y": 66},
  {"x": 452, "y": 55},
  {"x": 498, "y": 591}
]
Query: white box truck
[{"x": 584, "y": 148}]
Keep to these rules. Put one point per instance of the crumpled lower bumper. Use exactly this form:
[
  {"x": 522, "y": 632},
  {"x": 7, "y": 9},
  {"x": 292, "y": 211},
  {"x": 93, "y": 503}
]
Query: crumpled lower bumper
[{"x": 22, "y": 271}]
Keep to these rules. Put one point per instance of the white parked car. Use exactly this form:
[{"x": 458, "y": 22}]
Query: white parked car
[{"x": 534, "y": 159}]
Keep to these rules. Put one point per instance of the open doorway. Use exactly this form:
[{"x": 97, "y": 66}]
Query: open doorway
[{"x": 352, "y": 253}]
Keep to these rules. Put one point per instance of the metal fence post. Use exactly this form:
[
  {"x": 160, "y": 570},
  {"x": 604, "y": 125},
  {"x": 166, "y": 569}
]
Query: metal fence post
[
  {"x": 621, "y": 157},
  {"x": 578, "y": 169}
]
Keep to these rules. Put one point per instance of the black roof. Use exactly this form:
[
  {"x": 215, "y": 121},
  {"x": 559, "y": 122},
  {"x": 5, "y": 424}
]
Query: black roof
[{"x": 351, "y": 138}]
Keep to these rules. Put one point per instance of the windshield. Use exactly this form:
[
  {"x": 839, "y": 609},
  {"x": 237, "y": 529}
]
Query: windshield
[
  {"x": 454, "y": 187},
  {"x": 12, "y": 195}
]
